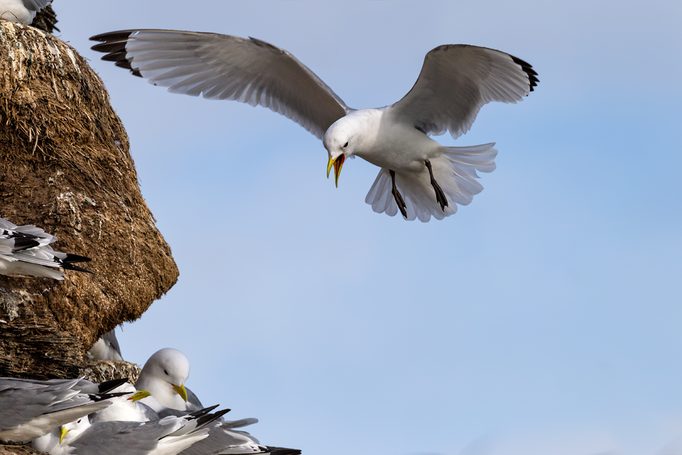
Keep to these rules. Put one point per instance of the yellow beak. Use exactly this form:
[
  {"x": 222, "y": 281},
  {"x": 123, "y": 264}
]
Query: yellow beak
[
  {"x": 180, "y": 391},
  {"x": 61, "y": 437},
  {"x": 338, "y": 164},
  {"x": 142, "y": 394}
]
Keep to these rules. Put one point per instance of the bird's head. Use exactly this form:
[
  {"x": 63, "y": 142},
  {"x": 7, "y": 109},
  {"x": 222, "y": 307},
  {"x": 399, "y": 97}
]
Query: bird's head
[
  {"x": 340, "y": 140},
  {"x": 164, "y": 376},
  {"x": 74, "y": 429}
]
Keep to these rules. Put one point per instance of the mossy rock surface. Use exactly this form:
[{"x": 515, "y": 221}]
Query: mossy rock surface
[{"x": 65, "y": 166}]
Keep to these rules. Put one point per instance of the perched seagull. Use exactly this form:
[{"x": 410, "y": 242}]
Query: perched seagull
[
  {"x": 26, "y": 250},
  {"x": 418, "y": 176},
  {"x": 123, "y": 406},
  {"x": 129, "y": 409},
  {"x": 106, "y": 348},
  {"x": 168, "y": 436},
  {"x": 22, "y": 11},
  {"x": 126, "y": 408},
  {"x": 31, "y": 408},
  {"x": 161, "y": 375}
]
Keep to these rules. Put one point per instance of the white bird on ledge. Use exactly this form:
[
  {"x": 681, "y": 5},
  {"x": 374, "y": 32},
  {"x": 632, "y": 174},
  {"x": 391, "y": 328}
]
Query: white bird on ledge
[{"x": 26, "y": 250}]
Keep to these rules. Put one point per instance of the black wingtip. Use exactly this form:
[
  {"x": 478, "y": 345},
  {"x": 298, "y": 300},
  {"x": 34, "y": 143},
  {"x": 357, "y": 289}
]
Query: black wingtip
[
  {"x": 67, "y": 266},
  {"x": 282, "y": 451},
  {"x": 112, "y": 36},
  {"x": 106, "y": 396},
  {"x": 528, "y": 69},
  {"x": 208, "y": 418},
  {"x": 203, "y": 411},
  {"x": 23, "y": 242},
  {"x": 70, "y": 258},
  {"x": 67, "y": 262},
  {"x": 113, "y": 45},
  {"x": 108, "y": 386}
]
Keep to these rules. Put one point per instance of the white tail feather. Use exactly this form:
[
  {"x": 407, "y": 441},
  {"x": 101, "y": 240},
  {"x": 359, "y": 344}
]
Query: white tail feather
[{"x": 454, "y": 170}]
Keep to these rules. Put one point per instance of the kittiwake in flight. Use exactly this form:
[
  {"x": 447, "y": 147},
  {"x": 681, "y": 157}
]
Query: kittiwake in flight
[
  {"x": 418, "y": 177},
  {"x": 22, "y": 11},
  {"x": 26, "y": 250}
]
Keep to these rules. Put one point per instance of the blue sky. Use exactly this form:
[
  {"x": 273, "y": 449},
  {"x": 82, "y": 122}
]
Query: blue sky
[{"x": 543, "y": 318}]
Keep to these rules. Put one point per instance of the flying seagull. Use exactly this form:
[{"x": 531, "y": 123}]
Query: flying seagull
[
  {"x": 418, "y": 177},
  {"x": 22, "y": 11},
  {"x": 26, "y": 250}
]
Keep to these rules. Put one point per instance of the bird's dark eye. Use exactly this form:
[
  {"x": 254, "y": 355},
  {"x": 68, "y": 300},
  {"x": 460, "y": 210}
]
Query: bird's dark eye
[
  {"x": 345, "y": 145},
  {"x": 166, "y": 371}
]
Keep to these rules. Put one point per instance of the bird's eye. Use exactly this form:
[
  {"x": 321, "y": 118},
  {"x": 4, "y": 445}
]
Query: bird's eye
[
  {"x": 345, "y": 145},
  {"x": 166, "y": 371},
  {"x": 79, "y": 420}
]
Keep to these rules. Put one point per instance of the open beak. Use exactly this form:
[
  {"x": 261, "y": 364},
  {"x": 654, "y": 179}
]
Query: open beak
[
  {"x": 181, "y": 391},
  {"x": 338, "y": 164},
  {"x": 61, "y": 436}
]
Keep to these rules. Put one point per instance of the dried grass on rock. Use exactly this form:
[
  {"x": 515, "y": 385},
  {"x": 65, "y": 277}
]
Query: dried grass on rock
[{"x": 65, "y": 166}]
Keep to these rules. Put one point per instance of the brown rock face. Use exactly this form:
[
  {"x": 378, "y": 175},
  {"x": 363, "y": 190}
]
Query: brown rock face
[{"x": 65, "y": 167}]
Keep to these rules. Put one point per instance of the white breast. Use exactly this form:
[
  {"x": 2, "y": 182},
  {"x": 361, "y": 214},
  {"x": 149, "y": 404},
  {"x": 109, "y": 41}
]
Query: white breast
[
  {"x": 15, "y": 11},
  {"x": 397, "y": 146}
]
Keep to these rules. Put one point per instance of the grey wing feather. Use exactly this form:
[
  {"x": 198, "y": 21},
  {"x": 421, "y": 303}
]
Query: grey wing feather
[
  {"x": 116, "y": 438},
  {"x": 36, "y": 5},
  {"x": 227, "y": 68},
  {"x": 23, "y": 399},
  {"x": 4, "y": 224},
  {"x": 53, "y": 403},
  {"x": 193, "y": 399},
  {"x": 110, "y": 337},
  {"x": 221, "y": 438},
  {"x": 149, "y": 413},
  {"x": 239, "y": 423},
  {"x": 165, "y": 412},
  {"x": 456, "y": 81}
]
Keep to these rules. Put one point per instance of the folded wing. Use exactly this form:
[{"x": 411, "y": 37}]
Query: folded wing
[{"x": 26, "y": 250}]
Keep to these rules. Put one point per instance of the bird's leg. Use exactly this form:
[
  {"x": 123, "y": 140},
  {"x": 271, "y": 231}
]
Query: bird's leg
[
  {"x": 398, "y": 198},
  {"x": 440, "y": 195}
]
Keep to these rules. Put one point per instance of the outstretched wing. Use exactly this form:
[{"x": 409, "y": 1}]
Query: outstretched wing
[
  {"x": 227, "y": 68},
  {"x": 456, "y": 81}
]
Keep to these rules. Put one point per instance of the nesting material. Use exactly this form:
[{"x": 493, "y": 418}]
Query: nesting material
[
  {"x": 108, "y": 370},
  {"x": 24, "y": 449},
  {"x": 65, "y": 167}
]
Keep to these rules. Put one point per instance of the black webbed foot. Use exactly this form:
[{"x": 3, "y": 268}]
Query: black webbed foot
[
  {"x": 397, "y": 196},
  {"x": 440, "y": 195}
]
